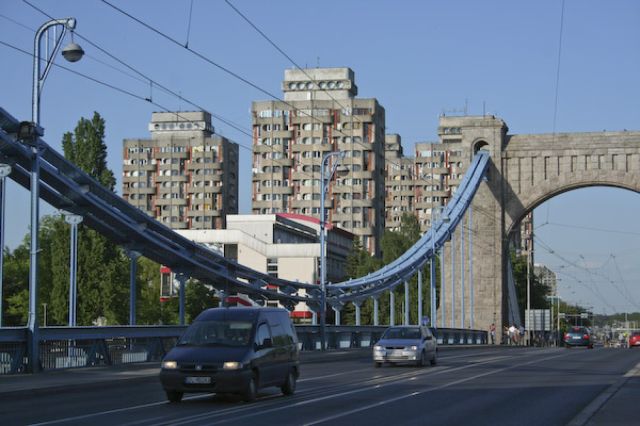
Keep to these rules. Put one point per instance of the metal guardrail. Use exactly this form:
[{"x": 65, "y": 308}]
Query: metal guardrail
[{"x": 73, "y": 347}]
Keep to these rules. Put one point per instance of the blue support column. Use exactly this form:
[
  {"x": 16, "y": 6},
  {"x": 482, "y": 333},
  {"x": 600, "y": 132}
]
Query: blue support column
[
  {"x": 337, "y": 312},
  {"x": 420, "y": 297},
  {"x": 453, "y": 281},
  {"x": 357, "y": 305},
  {"x": 443, "y": 305},
  {"x": 133, "y": 256},
  {"x": 462, "y": 265},
  {"x": 392, "y": 308},
  {"x": 471, "y": 296},
  {"x": 5, "y": 170},
  {"x": 182, "y": 280},
  {"x": 376, "y": 318},
  {"x": 432, "y": 291},
  {"x": 407, "y": 307}
]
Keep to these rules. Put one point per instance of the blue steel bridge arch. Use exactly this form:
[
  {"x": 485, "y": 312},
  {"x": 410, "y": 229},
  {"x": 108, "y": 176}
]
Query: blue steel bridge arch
[{"x": 64, "y": 186}]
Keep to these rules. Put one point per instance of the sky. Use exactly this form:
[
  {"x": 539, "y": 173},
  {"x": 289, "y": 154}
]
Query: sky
[{"x": 420, "y": 59}]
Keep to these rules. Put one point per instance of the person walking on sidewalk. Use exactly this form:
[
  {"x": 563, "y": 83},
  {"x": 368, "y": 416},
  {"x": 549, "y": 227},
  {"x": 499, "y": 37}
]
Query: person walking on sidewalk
[{"x": 492, "y": 333}]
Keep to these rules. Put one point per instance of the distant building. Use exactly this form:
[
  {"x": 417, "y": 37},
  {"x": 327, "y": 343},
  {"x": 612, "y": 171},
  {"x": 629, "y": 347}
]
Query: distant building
[
  {"x": 321, "y": 114},
  {"x": 185, "y": 175},
  {"x": 546, "y": 276},
  {"x": 282, "y": 245}
]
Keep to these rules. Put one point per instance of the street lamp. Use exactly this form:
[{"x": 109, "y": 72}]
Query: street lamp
[
  {"x": 326, "y": 176},
  {"x": 29, "y": 133}
]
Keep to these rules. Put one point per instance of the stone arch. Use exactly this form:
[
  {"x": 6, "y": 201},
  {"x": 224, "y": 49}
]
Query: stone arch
[
  {"x": 480, "y": 145},
  {"x": 545, "y": 192}
]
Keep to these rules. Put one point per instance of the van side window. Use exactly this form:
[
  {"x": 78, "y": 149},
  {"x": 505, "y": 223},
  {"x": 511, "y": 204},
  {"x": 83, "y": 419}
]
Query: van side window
[
  {"x": 280, "y": 337},
  {"x": 262, "y": 334}
]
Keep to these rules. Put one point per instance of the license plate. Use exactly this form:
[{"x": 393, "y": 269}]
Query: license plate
[
  {"x": 197, "y": 380},
  {"x": 576, "y": 337}
]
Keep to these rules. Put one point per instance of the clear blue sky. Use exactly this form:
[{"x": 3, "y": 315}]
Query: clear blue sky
[{"x": 418, "y": 58}]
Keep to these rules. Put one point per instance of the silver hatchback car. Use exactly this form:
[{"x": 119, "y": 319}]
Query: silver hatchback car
[{"x": 406, "y": 344}]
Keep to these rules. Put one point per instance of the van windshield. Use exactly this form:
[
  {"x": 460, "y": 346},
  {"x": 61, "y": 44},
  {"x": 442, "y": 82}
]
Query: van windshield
[{"x": 212, "y": 333}]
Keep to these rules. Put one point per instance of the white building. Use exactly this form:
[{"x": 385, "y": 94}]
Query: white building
[{"x": 282, "y": 245}]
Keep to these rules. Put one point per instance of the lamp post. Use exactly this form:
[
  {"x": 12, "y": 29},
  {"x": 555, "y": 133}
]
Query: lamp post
[
  {"x": 326, "y": 176},
  {"x": 29, "y": 133},
  {"x": 5, "y": 170}
]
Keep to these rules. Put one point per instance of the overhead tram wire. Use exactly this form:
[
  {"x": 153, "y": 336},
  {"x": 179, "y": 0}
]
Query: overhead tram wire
[
  {"x": 173, "y": 93},
  {"x": 115, "y": 88},
  {"x": 221, "y": 67},
  {"x": 146, "y": 78},
  {"x": 294, "y": 63}
]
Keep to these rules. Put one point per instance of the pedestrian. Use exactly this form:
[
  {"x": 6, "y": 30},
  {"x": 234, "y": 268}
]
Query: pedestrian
[
  {"x": 521, "y": 338},
  {"x": 513, "y": 339},
  {"x": 492, "y": 332}
]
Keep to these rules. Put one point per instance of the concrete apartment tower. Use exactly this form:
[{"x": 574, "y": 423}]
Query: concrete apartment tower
[
  {"x": 400, "y": 182},
  {"x": 185, "y": 175},
  {"x": 321, "y": 114}
]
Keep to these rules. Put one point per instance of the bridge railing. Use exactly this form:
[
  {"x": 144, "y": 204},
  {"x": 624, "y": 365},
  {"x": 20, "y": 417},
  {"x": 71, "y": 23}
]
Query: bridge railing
[{"x": 73, "y": 347}]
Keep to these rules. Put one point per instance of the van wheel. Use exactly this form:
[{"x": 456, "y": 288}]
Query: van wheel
[
  {"x": 174, "y": 396},
  {"x": 422, "y": 361},
  {"x": 434, "y": 360},
  {"x": 251, "y": 391},
  {"x": 289, "y": 386}
]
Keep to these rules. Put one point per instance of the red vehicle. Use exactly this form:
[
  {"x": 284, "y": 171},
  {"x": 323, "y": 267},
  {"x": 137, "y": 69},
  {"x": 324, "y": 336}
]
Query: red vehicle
[{"x": 634, "y": 339}]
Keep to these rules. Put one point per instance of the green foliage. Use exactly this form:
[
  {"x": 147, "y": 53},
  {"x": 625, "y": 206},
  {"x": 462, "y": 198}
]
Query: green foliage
[
  {"x": 86, "y": 149},
  {"x": 360, "y": 263},
  {"x": 539, "y": 290}
]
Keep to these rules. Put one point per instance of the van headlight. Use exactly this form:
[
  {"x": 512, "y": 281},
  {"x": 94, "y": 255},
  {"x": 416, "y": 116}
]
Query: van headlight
[
  {"x": 377, "y": 348},
  {"x": 232, "y": 365},
  {"x": 169, "y": 365},
  {"x": 413, "y": 348}
]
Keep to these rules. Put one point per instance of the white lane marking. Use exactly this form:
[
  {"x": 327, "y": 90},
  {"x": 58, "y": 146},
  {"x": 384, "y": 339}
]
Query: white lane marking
[
  {"x": 196, "y": 397},
  {"x": 116, "y": 410},
  {"x": 446, "y": 385},
  {"x": 634, "y": 372},
  {"x": 341, "y": 394}
]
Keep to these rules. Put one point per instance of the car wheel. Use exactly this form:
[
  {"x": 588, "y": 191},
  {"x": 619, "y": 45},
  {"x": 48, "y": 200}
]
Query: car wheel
[
  {"x": 174, "y": 396},
  {"x": 289, "y": 386},
  {"x": 422, "y": 361},
  {"x": 251, "y": 391},
  {"x": 377, "y": 364},
  {"x": 434, "y": 360}
]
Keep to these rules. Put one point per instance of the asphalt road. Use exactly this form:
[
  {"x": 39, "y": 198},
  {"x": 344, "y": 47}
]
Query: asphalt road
[{"x": 480, "y": 386}]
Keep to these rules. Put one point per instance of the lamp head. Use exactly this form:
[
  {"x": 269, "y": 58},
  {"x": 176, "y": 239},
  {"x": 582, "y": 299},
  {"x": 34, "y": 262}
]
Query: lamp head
[{"x": 72, "y": 52}]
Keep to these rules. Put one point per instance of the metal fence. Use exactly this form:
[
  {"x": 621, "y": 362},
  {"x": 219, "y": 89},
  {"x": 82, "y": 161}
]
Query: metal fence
[{"x": 73, "y": 347}]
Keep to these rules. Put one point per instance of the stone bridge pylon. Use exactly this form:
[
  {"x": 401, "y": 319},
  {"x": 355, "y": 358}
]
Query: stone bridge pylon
[{"x": 524, "y": 172}]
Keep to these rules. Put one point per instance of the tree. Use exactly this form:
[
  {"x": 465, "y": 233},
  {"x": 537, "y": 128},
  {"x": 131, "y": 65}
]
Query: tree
[
  {"x": 360, "y": 263},
  {"x": 539, "y": 290},
  {"x": 103, "y": 267}
]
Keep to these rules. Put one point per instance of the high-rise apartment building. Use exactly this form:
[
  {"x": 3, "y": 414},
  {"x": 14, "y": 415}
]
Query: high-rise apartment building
[
  {"x": 321, "y": 114},
  {"x": 399, "y": 182},
  {"x": 185, "y": 175},
  {"x": 546, "y": 277}
]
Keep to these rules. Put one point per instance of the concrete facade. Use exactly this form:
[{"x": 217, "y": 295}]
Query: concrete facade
[
  {"x": 284, "y": 246},
  {"x": 320, "y": 114},
  {"x": 185, "y": 176}
]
